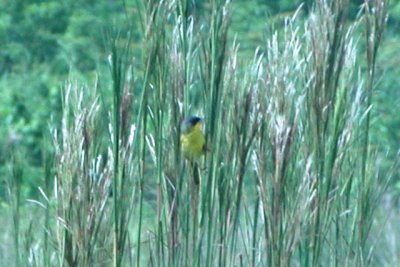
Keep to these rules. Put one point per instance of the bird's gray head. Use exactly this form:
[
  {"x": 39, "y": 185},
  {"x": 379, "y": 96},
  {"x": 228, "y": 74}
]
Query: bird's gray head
[{"x": 189, "y": 122}]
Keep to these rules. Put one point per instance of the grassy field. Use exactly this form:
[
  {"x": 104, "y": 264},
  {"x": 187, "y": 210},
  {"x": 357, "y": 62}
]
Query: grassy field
[{"x": 289, "y": 178}]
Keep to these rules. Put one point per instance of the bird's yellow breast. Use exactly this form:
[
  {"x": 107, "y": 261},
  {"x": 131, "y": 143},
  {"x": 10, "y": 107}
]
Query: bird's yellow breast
[{"x": 193, "y": 142}]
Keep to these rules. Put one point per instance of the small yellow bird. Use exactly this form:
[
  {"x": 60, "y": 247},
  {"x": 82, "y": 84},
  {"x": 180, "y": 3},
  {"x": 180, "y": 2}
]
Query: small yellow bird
[
  {"x": 193, "y": 143},
  {"x": 192, "y": 138}
]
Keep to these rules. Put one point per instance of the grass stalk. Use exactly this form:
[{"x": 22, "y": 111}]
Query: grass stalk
[
  {"x": 376, "y": 14},
  {"x": 14, "y": 192}
]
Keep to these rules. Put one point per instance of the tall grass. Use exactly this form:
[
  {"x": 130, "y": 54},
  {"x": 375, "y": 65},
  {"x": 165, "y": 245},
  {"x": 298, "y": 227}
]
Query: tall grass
[
  {"x": 14, "y": 195},
  {"x": 288, "y": 179}
]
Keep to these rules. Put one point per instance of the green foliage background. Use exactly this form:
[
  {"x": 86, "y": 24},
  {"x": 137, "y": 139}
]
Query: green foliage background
[{"x": 43, "y": 42}]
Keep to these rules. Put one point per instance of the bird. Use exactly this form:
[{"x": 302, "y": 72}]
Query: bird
[
  {"x": 192, "y": 138},
  {"x": 193, "y": 143}
]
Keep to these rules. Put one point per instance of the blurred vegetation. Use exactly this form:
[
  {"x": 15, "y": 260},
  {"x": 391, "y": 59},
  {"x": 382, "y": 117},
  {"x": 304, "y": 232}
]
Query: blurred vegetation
[{"x": 44, "y": 43}]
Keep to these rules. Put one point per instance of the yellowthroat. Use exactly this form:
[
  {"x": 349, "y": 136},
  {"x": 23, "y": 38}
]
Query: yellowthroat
[
  {"x": 192, "y": 138},
  {"x": 193, "y": 143}
]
